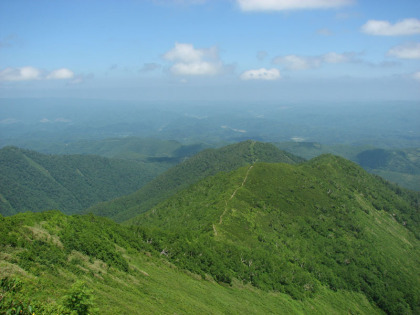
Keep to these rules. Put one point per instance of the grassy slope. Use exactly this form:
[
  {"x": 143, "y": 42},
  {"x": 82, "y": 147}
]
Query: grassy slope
[
  {"x": 150, "y": 285},
  {"x": 203, "y": 164},
  {"x": 34, "y": 181},
  {"x": 326, "y": 221}
]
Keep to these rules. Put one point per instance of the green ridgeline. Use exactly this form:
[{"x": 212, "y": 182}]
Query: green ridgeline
[
  {"x": 206, "y": 163},
  {"x": 401, "y": 166},
  {"x": 295, "y": 228},
  {"x": 35, "y": 182}
]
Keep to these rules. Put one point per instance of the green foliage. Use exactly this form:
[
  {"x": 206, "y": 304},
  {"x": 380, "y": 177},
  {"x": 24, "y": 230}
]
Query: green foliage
[
  {"x": 34, "y": 181},
  {"x": 12, "y": 299},
  {"x": 152, "y": 285},
  {"x": 400, "y": 166},
  {"x": 282, "y": 236},
  {"x": 293, "y": 229},
  {"x": 79, "y": 300},
  {"x": 206, "y": 163}
]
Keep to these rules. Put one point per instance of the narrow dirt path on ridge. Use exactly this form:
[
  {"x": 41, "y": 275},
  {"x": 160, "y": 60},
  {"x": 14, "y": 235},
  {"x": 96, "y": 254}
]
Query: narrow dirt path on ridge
[{"x": 251, "y": 148}]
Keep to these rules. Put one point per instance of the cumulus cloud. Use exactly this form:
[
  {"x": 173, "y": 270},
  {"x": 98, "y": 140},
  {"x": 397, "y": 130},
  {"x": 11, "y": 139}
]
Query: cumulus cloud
[
  {"x": 60, "y": 74},
  {"x": 188, "y": 60},
  {"x": 261, "y": 74},
  {"x": 280, "y": 5},
  {"x": 20, "y": 74},
  {"x": 294, "y": 62},
  {"x": 406, "y": 51},
  {"x": 31, "y": 73},
  {"x": 385, "y": 28}
]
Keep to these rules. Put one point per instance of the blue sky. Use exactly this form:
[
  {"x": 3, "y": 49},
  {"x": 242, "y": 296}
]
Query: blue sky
[{"x": 233, "y": 50}]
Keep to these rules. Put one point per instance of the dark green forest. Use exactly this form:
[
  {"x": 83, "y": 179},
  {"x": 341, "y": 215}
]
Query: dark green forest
[{"x": 34, "y": 181}]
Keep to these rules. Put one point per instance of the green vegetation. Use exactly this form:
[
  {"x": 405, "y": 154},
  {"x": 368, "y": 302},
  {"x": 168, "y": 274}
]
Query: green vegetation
[
  {"x": 400, "y": 166},
  {"x": 322, "y": 236},
  {"x": 206, "y": 163},
  {"x": 293, "y": 229},
  {"x": 51, "y": 283},
  {"x": 34, "y": 181}
]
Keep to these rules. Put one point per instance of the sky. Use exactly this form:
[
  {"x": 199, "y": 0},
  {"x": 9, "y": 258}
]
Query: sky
[{"x": 216, "y": 50}]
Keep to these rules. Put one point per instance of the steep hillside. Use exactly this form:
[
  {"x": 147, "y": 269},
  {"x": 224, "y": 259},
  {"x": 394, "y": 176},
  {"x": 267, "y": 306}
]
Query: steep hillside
[
  {"x": 52, "y": 264},
  {"x": 34, "y": 181},
  {"x": 295, "y": 229},
  {"x": 205, "y": 163}
]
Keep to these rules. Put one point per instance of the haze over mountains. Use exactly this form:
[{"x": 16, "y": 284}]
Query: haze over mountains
[{"x": 39, "y": 123}]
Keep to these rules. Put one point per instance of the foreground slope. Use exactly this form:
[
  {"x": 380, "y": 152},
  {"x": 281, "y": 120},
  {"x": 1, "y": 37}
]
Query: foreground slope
[
  {"x": 206, "y": 163},
  {"x": 43, "y": 254},
  {"x": 295, "y": 229},
  {"x": 35, "y": 181}
]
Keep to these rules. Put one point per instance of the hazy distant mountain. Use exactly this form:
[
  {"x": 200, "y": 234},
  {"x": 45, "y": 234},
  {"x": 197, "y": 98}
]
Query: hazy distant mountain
[{"x": 33, "y": 123}]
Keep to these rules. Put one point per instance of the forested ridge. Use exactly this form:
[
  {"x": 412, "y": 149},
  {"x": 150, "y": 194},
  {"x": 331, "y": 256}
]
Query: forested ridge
[
  {"x": 265, "y": 233},
  {"x": 206, "y": 163},
  {"x": 34, "y": 181}
]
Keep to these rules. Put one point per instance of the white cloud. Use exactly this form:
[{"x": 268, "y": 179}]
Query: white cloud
[
  {"x": 261, "y": 74},
  {"x": 294, "y": 62},
  {"x": 385, "y": 28},
  {"x": 333, "y": 57},
  {"x": 279, "y": 5},
  {"x": 184, "y": 53},
  {"x": 60, "y": 74},
  {"x": 20, "y": 74},
  {"x": 31, "y": 73},
  {"x": 406, "y": 51},
  {"x": 196, "y": 68},
  {"x": 191, "y": 61}
]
